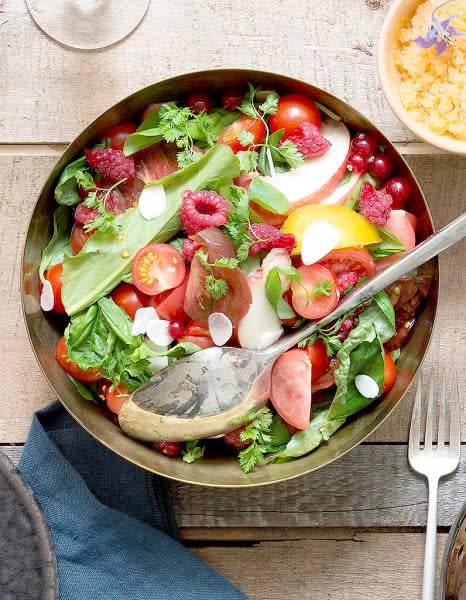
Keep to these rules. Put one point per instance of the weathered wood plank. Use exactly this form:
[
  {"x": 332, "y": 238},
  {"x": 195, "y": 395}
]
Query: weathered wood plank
[{"x": 296, "y": 38}]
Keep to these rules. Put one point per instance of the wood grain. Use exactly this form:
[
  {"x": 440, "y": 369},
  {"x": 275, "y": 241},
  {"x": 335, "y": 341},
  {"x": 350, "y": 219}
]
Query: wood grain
[{"x": 60, "y": 90}]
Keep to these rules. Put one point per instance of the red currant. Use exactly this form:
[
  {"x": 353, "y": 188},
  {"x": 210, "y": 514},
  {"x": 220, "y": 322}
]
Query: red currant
[
  {"x": 380, "y": 165},
  {"x": 231, "y": 99},
  {"x": 356, "y": 162},
  {"x": 364, "y": 144},
  {"x": 103, "y": 388},
  {"x": 168, "y": 448},
  {"x": 199, "y": 102},
  {"x": 399, "y": 189},
  {"x": 176, "y": 329}
]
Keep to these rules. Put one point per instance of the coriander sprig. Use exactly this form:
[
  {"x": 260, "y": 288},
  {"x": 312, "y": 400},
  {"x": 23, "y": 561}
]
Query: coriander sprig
[
  {"x": 258, "y": 431},
  {"x": 97, "y": 199},
  {"x": 215, "y": 287}
]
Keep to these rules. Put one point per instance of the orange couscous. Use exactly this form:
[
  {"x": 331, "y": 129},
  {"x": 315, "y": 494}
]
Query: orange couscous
[{"x": 433, "y": 89}]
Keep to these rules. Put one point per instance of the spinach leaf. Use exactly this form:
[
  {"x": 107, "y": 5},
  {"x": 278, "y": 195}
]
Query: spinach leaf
[
  {"x": 59, "y": 244},
  {"x": 66, "y": 192},
  {"x": 140, "y": 140},
  {"x": 267, "y": 196},
  {"x": 389, "y": 245},
  {"x": 103, "y": 261},
  {"x": 86, "y": 392},
  {"x": 381, "y": 314}
]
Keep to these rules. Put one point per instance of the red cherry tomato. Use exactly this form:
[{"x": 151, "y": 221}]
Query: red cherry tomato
[
  {"x": 305, "y": 301},
  {"x": 170, "y": 307},
  {"x": 349, "y": 259},
  {"x": 170, "y": 449},
  {"x": 156, "y": 268},
  {"x": 319, "y": 359},
  {"x": 118, "y": 134},
  {"x": 197, "y": 334},
  {"x": 291, "y": 393},
  {"x": 389, "y": 373},
  {"x": 126, "y": 296},
  {"x": 116, "y": 397},
  {"x": 70, "y": 367},
  {"x": 54, "y": 275},
  {"x": 199, "y": 102},
  {"x": 229, "y": 135},
  {"x": 294, "y": 109},
  {"x": 231, "y": 99},
  {"x": 78, "y": 238}
]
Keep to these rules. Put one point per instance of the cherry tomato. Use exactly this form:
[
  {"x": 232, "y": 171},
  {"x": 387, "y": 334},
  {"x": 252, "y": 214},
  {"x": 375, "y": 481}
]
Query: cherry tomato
[
  {"x": 126, "y": 296},
  {"x": 197, "y": 334},
  {"x": 294, "y": 109},
  {"x": 116, "y": 397},
  {"x": 118, "y": 134},
  {"x": 168, "y": 448},
  {"x": 291, "y": 393},
  {"x": 349, "y": 259},
  {"x": 156, "y": 268},
  {"x": 54, "y": 275},
  {"x": 70, "y": 367},
  {"x": 199, "y": 102},
  {"x": 319, "y": 359},
  {"x": 229, "y": 135},
  {"x": 389, "y": 373},
  {"x": 231, "y": 99},
  {"x": 305, "y": 301},
  {"x": 170, "y": 307},
  {"x": 78, "y": 238}
]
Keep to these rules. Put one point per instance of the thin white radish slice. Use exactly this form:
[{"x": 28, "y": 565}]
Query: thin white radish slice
[
  {"x": 152, "y": 202},
  {"x": 366, "y": 386},
  {"x": 278, "y": 257},
  {"x": 142, "y": 318},
  {"x": 220, "y": 328},
  {"x": 157, "y": 332},
  {"x": 46, "y": 297},
  {"x": 319, "y": 239}
]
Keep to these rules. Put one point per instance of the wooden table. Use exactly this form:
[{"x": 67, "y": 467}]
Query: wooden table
[{"x": 354, "y": 529}]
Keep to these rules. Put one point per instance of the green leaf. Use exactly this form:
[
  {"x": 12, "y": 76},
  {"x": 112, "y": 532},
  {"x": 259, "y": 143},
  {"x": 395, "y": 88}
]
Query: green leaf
[
  {"x": 395, "y": 354},
  {"x": 270, "y": 104},
  {"x": 192, "y": 451},
  {"x": 267, "y": 196},
  {"x": 140, "y": 140},
  {"x": 389, "y": 245},
  {"x": 103, "y": 261},
  {"x": 219, "y": 120},
  {"x": 288, "y": 153},
  {"x": 258, "y": 432},
  {"x": 175, "y": 352},
  {"x": 290, "y": 272},
  {"x": 353, "y": 200},
  {"x": 85, "y": 392},
  {"x": 245, "y": 138},
  {"x": 119, "y": 322},
  {"x": 88, "y": 339},
  {"x": 247, "y": 105},
  {"x": 248, "y": 160},
  {"x": 323, "y": 288},
  {"x": 59, "y": 244},
  {"x": 66, "y": 191},
  {"x": 250, "y": 264},
  {"x": 216, "y": 288},
  {"x": 381, "y": 314},
  {"x": 274, "y": 293},
  {"x": 327, "y": 111}
]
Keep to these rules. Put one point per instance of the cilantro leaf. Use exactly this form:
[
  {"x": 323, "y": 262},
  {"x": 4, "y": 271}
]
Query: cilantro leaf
[
  {"x": 288, "y": 152},
  {"x": 258, "y": 431},
  {"x": 248, "y": 160},
  {"x": 216, "y": 288},
  {"x": 245, "y": 138},
  {"x": 323, "y": 288},
  {"x": 192, "y": 451},
  {"x": 270, "y": 105}
]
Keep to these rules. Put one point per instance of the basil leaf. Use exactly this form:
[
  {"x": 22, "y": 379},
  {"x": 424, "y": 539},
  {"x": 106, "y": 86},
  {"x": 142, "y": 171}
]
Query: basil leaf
[
  {"x": 59, "y": 244},
  {"x": 220, "y": 119},
  {"x": 274, "y": 293},
  {"x": 85, "y": 392},
  {"x": 353, "y": 200},
  {"x": 175, "y": 352},
  {"x": 66, "y": 191},
  {"x": 100, "y": 265},
  {"x": 140, "y": 140},
  {"x": 389, "y": 245},
  {"x": 267, "y": 196},
  {"x": 88, "y": 339},
  {"x": 382, "y": 315},
  {"x": 119, "y": 322}
]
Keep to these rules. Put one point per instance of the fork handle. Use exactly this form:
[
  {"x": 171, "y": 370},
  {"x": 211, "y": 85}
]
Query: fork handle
[{"x": 428, "y": 581}]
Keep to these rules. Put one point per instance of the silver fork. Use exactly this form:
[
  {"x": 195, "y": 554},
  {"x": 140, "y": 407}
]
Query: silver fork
[{"x": 434, "y": 461}]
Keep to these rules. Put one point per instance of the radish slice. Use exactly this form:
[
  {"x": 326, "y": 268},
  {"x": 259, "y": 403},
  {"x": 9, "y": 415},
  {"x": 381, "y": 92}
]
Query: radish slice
[
  {"x": 366, "y": 386},
  {"x": 319, "y": 239},
  {"x": 152, "y": 202},
  {"x": 278, "y": 257},
  {"x": 157, "y": 332},
  {"x": 142, "y": 318},
  {"x": 46, "y": 298},
  {"x": 220, "y": 328}
]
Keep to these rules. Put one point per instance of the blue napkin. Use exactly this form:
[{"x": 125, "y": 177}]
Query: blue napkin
[{"x": 112, "y": 523}]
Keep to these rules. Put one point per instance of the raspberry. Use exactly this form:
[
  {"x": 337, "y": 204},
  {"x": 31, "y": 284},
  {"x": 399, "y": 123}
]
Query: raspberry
[
  {"x": 111, "y": 163},
  {"x": 189, "y": 248},
  {"x": 345, "y": 279},
  {"x": 308, "y": 139},
  {"x": 269, "y": 237},
  {"x": 202, "y": 209},
  {"x": 84, "y": 215},
  {"x": 374, "y": 204}
]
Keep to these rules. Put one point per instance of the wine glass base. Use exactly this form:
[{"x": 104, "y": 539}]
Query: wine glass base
[{"x": 87, "y": 24}]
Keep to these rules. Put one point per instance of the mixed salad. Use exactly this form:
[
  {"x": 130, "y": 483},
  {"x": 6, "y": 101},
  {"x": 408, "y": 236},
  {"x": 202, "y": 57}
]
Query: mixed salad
[{"x": 229, "y": 224}]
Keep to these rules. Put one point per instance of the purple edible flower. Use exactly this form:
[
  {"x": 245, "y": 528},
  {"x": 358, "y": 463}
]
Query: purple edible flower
[{"x": 440, "y": 33}]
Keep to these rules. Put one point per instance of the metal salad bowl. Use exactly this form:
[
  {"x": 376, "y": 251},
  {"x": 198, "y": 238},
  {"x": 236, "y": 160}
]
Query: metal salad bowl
[{"x": 45, "y": 329}]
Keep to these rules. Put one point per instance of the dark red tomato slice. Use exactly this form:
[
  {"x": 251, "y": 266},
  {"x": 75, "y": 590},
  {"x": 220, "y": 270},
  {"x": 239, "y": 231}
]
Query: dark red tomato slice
[
  {"x": 115, "y": 398},
  {"x": 197, "y": 334},
  {"x": 294, "y": 109},
  {"x": 156, "y": 268},
  {"x": 349, "y": 259},
  {"x": 389, "y": 373},
  {"x": 118, "y": 134},
  {"x": 306, "y": 300},
  {"x": 54, "y": 275},
  {"x": 78, "y": 238},
  {"x": 319, "y": 359},
  {"x": 127, "y": 297},
  {"x": 229, "y": 135},
  {"x": 291, "y": 393},
  {"x": 70, "y": 367},
  {"x": 171, "y": 307}
]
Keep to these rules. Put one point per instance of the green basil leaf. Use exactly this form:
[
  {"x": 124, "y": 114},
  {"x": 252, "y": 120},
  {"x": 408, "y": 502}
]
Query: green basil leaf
[
  {"x": 389, "y": 245},
  {"x": 85, "y": 392},
  {"x": 267, "y": 196},
  {"x": 59, "y": 244},
  {"x": 274, "y": 293},
  {"x": 88, "y": 339},
  {"x": 140, "y": 140},
  {"x": 381, "y": 314},
  {"x": 66, "y": 191},
  {"x": 119, "y": 322}
]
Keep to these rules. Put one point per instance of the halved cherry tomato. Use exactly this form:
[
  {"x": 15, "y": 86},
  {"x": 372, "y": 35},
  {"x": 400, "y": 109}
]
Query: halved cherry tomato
[
  {"x": 78, "y": 238},
  {"x": 170, "y": 307},
  {"x": 116, "y": 397},
  {"x": 319, "y": 359},
  {"x": 156, "y": 268},
  {"x": 305, "y": 301},
  {"x": 349, "y": 259},
  {"x": 54, "y": 275},
  {"x": 70, "y": 367},
  {"x": 197, "y": 334},
  {"x": 118, "y": 134},
  {"x": 291, "y": 392},
  {"x": 229, "y": 135},
  {"x": 127, "y": 297},
  {"x": 294, "y": 109},
  {"x": 389, "y": 372}
]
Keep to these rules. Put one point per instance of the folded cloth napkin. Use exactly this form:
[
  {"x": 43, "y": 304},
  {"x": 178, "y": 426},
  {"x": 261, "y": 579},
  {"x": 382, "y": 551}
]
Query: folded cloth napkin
[{"x": 112, "y": 523}]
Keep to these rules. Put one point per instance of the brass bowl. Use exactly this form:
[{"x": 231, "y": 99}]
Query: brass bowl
[
  {"x": 45, "y": 328},
  {"x": 453, "y": 573}
]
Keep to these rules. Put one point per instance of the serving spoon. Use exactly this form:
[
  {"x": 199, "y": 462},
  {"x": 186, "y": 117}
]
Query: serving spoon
[{"x": 217, "y": 389}]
